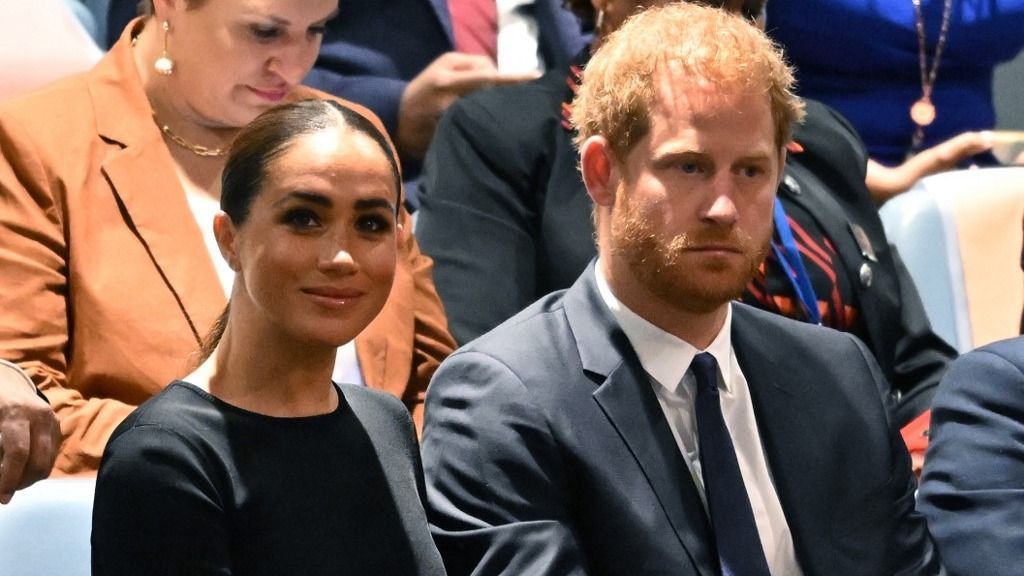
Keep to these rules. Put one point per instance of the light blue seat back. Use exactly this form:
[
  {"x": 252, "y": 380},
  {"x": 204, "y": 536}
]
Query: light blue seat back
[
  {"x": 45, "y": 529},
  {"x": 918, "y": 223},
  {"x": 960, "y": 235}
]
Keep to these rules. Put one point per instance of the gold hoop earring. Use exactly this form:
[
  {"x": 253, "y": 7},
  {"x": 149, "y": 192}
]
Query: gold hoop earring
[{"x": 164, "y": 65}]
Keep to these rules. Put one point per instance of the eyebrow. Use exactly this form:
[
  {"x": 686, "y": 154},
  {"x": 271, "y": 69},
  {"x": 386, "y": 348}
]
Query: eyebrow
[
  {"x": 676, "y": 155},
  {"x": 756, "y": 157},
  {"x": 671, "y": 154},
  {"x": 286, "y": 23},
  {"x": 311, "y": 197},
  {"x": 374, "y": 203},
  {"x": 326, "y": 202}
]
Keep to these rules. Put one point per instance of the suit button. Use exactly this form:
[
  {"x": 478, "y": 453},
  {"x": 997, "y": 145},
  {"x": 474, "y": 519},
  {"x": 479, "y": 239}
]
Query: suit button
[{"x": 866, "y": 275}]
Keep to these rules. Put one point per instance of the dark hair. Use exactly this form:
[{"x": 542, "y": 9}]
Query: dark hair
[
  {"x": 265, "y": 139},
  {"x": 271, "y": 134}
]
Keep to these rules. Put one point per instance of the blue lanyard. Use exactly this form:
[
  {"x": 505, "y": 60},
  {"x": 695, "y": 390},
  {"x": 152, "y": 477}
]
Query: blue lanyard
[{"x": 792, "y": 263}]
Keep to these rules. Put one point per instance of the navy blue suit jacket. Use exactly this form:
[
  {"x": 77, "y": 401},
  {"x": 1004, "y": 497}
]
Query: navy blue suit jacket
[
  {"x": 546, "y": 451},
  {"x": 972, "y": 489}
]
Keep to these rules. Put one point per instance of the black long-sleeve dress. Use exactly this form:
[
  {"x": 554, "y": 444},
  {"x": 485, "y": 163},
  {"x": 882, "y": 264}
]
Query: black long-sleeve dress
[{"x": 191, "y": 485}]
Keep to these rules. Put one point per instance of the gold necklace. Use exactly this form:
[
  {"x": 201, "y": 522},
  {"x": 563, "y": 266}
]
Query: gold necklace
[
  {"x": 166, "y": 130},
  {"x": 193, "y": 148},
  {"x": 922, "y": 111}
]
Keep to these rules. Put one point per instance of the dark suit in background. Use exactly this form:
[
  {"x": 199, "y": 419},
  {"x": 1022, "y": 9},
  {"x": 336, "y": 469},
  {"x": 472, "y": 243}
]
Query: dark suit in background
[
  {"x": 503, "y": 210},
  {"x": 546, "y": 451},
  {"x": 972, "y": 489},
  {"x": 826, "y": 179},
  {"x": 373, "y": 49}
]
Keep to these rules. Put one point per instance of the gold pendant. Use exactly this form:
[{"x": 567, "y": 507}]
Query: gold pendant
[{"x": 923, "y": 112}]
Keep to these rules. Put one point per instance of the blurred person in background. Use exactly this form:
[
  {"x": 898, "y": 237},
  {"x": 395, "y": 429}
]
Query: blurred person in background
[
  {"x": 408, "y": 60},
  {"x": 914, "y": 77}
]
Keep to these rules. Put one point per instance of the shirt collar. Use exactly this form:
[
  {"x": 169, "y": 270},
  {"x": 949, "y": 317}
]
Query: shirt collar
[{"x": 665, "y": 357}]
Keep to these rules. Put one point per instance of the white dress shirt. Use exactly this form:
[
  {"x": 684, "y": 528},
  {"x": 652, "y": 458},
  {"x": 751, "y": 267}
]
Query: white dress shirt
[
  {"x": 204, "y": 208},
  {"x": 518, "y": 38},
  {"x": 666, "y": 359}
]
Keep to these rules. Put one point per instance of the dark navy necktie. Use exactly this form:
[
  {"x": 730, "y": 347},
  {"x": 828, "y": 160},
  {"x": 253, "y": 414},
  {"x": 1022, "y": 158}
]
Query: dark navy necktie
[{"x": 732, "y": 519}]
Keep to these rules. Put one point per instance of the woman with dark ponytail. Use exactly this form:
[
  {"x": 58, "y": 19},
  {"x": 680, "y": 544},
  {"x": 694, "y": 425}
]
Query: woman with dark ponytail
[{"x": 257, "y": 463}]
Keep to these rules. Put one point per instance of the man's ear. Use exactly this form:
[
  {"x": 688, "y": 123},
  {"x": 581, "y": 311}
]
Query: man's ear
[
  {"x": 597, "y": 164},
  {"x": 224, "y": 232}
]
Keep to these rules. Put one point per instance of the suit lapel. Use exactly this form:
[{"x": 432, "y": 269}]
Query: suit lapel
[
  {"x": 626, "y": 398},
  {"x": 143, "y": 180},
  {"x": 444, "y": 18},
  {"x": 783, "y": 398}
]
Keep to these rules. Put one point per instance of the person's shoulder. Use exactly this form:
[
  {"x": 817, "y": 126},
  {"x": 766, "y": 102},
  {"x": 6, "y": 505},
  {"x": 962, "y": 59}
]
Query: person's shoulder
[
  {"x": 180, "y": 423},
  {"x": 801, "y": 344},
  {"x": 831, "y": 147},
  {"x": 530, "y": 349},
  {"x": 1011, "y": 350},
  {"x": 521, "y": 108},
  {"x": 67, "y": 99},
  {"x": 386, "y": 420},
  {"x": 180, "y": 408},
  {"x": 73, "y": 87},
  {"x": 527, "y": 367},
  {"x": 528, "y": 331},
  {"x": 994, "y": 372},
  {"x": 373, "y": 402},
  {"x": 777, "y": 325}
]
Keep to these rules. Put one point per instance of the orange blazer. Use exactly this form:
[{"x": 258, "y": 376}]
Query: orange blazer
[{"x": 106, "y": 286}]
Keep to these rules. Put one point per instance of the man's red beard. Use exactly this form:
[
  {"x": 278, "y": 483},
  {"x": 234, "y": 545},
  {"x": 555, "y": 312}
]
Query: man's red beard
[{"x": 658, "y": 263}]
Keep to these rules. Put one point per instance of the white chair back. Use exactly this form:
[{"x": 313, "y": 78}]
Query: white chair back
[
  {"x": 960, "y": 235},
  {"x": 41, "y": 41},
  {"x": 45, "y": 529}
]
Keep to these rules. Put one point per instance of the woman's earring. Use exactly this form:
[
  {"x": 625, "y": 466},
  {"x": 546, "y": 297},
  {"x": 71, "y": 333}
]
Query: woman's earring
[
  {"x": 164, "y": 65},
  {"x": 599, "y": 21}
]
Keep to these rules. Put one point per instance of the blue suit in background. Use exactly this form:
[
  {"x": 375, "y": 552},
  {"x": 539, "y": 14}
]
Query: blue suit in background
[{"x": 972, "y": 489}]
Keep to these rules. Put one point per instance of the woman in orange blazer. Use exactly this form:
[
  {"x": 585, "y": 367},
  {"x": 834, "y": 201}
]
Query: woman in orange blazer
[{"x": 107, "y": 285}]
